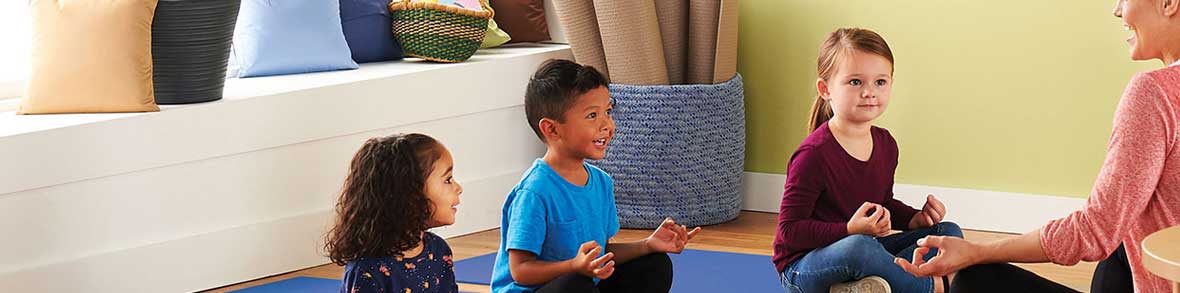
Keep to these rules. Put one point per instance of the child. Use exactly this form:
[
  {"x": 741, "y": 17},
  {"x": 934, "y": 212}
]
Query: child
[
  {"x": 397, "y": 187},
  {"x": 838, "y": 205},
  {"x": 558, "y": 219}
]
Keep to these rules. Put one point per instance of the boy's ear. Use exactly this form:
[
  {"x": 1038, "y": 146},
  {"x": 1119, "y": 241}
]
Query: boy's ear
[
  {"x": 821, "y": 87},
  {"x": 548, "y": 129}
]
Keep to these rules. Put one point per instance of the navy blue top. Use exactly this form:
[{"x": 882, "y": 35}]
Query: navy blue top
[{"x": 429, "y": 271}]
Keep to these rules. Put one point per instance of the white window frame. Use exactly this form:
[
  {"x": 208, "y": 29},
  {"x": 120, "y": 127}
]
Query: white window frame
[{"x": 13, "y": 18}]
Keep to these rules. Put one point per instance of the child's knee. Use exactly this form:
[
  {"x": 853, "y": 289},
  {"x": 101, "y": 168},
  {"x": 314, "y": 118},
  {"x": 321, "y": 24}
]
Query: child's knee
[
  {"x": 949, "y": 229},
  {"x": 659, "y": 265},
  {"x": 856, "y": 248}
]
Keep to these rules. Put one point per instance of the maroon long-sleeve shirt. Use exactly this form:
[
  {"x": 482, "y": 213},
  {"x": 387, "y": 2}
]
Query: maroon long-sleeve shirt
[{"x": 825, "y": 185}]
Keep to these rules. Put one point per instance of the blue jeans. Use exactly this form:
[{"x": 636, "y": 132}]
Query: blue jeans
[{"x": 859, "y": 256}]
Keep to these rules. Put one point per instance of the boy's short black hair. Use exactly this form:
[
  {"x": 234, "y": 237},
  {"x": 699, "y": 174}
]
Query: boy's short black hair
[{"x": 554, "y": 88}]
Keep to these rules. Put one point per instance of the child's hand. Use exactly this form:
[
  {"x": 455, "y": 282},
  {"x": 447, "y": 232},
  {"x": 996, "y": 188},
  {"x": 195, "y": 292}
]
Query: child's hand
[
  {"x": 589, "y": 264},
  {"x": 932, "y": 213},
  {"x": 870, "y": 219},
  {"x": 670, "y": 238}
]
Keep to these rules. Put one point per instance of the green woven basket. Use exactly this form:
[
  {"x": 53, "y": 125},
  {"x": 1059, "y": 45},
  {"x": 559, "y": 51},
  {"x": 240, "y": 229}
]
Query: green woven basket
[{"x": 439, "y": 32}]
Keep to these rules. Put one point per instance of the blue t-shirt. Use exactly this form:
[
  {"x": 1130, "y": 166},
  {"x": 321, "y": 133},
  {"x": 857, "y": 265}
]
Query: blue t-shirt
[
  {"x": 551, "y": 217},
  {"x": 429, "y": 271}
]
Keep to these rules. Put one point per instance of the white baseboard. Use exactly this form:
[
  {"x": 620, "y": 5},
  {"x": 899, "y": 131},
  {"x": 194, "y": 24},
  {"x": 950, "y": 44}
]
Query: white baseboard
[{"x": 971, "y": 209}]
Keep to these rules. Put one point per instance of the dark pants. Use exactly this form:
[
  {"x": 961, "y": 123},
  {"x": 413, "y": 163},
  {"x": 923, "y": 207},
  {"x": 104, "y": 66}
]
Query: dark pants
[
  {"x": 1002, "y": 277},
  {"x": 649, "y": 273},
  {"x": 1112, "y": 275}
]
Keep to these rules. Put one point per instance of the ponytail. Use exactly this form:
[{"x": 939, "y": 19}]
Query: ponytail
[{"x": 821, "y": 112}]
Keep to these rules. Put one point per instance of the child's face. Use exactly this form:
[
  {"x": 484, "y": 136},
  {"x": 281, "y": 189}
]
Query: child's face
[
  {"x": 443, "y": 191},
  {"x": 588, "y": 126},
  {"x": 1148, "y": 27},
  {"x": 859, "y": 90}
]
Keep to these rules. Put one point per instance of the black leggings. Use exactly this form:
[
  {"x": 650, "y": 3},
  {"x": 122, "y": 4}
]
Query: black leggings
[
  {"x": 1112, "y": 275},
  {"x": 1002, "y": 277},
  {"x": 649, "y": 273}
]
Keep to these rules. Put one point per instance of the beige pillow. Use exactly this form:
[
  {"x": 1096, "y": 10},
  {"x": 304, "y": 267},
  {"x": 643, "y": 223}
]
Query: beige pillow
[{"x": 90, "y": 56}]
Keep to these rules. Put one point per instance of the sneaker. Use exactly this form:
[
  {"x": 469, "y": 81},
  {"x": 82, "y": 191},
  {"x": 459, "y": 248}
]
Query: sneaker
[{"x": 870, "y": 284}]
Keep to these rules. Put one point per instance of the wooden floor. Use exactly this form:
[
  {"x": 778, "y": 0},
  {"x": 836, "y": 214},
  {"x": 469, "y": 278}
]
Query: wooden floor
[{"x": 752, "y": 232}]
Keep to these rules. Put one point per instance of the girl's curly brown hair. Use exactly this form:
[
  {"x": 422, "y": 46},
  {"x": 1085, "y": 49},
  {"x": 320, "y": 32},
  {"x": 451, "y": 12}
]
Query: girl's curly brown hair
[{"x": 383, "y": 208}]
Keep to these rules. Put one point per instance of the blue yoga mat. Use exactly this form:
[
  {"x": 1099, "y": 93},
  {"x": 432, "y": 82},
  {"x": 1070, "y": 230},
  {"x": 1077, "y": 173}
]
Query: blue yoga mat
[
  {"x": 694, "y": 271},
  {"x": 296, "y": 285}
]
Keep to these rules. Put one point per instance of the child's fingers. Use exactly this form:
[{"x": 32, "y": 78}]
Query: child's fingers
[
  {"x": 936, "y": 204},
  {"x": 597, "y": 262},
  {"x": 587, "y": 246},
  {"x": 693, "y": 233},
  {"x": 864, "y": 208},
  {"x": 605, "y": 271}
]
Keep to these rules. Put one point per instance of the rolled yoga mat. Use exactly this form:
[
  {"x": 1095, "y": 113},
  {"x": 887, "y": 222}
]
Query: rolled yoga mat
[
  {"x": 702, "y": 40},
  {"x": 190, "y": 49},
  {"x": 673, "y": 19},
  {"x": 581, "y": 31},
  {"x": 631, "y": 41},
  {"x": 725, "y": 63}
]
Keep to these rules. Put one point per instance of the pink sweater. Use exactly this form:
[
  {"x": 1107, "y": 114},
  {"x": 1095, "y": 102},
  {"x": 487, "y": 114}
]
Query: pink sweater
[{"x": 1138, "y": 188}]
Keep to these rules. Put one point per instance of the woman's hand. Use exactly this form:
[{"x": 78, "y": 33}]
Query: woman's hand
[
  {"x": 932, "y": 213},
  {"x": 954, "y": 254},
  {"x": 870, "y": 219}
]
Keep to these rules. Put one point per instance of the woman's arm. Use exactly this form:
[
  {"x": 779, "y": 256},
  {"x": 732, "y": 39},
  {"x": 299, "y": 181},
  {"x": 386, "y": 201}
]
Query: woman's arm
[{"x": 956, "y": 253}]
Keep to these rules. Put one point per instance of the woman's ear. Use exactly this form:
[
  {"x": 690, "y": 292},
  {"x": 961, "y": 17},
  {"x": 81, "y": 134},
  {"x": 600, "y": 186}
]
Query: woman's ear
[
  {"x": 821, "y": 86},
  {"x": 1170, "y": 7},
  {"x": 548, "y": 129}
]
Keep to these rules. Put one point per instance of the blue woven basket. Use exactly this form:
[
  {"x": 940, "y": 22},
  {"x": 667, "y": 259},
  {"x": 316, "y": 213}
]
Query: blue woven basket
[{"x": 678, "y": 151}]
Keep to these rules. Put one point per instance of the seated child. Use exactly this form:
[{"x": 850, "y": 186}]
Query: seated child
[
  {"x": 397, "y": 187},
  {"x": 558, "y": 220}
]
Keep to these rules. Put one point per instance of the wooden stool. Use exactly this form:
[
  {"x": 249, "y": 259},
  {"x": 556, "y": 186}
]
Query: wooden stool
[{"x": 1161, "y": 255}]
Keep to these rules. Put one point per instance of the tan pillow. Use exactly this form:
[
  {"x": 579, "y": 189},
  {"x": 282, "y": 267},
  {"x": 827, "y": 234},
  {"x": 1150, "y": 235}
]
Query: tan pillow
[{"x": 90, "y": 56}]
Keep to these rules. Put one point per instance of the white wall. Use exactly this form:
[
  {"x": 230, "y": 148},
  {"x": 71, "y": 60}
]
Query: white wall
[{"x": 202, "y": 196}]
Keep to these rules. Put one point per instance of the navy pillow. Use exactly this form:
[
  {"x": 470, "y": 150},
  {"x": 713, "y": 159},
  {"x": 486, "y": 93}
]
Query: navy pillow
[{"x": 368, "y": 30}]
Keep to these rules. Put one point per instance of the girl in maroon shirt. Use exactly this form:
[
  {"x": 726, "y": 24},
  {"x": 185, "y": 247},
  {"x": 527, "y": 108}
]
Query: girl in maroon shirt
[{"x": 838, "y": 209}]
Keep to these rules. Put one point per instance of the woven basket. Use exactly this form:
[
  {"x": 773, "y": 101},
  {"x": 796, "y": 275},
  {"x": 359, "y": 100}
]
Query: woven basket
[
  {"x": 190, "y": 49},
  {"x": 678, "y": 151},
  {"x": 439, "y": 32}
]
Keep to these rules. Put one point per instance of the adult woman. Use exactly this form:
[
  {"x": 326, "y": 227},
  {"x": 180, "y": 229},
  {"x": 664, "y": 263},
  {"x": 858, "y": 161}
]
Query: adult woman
[{"x": 1138, "y": 189}]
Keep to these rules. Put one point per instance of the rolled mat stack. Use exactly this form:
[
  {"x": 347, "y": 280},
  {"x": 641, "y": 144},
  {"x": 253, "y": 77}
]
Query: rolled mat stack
[
  {"x": 654, "y": 42},
  {"x": 679, "y": 144},
  {"x": 631, "y": 41},
  {"x": 581, "y": 30}
]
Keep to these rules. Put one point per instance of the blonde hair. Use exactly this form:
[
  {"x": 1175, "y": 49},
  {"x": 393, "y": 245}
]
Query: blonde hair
[{"x": 838, "y": 45}]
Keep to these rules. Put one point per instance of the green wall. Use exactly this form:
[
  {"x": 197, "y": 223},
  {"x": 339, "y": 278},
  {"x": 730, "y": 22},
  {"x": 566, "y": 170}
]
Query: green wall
[{"x": 1000, "y": 95}]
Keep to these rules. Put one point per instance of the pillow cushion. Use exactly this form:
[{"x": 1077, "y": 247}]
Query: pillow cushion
[
  {"x": 90, "y": 56},
  {"x": 524, "y": 20},
  {"x": 368, "y": 30},
  {"x": 275, "y": 37},
  {"x": 495, "y": 36}
]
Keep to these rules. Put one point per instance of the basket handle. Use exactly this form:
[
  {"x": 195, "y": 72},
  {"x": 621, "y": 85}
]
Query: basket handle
[
  {"x": 404, "y": 4},
  {"x": 488, "y": 7}
]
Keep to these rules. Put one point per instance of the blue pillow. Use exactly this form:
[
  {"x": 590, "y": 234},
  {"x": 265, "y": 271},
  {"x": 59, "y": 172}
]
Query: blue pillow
[
  {"x": 275, "y": 37},
  {"x": 368, "y": 29}
]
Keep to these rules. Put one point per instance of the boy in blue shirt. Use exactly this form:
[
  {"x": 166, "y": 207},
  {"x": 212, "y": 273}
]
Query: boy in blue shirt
[{"x": 557, "y": 222}]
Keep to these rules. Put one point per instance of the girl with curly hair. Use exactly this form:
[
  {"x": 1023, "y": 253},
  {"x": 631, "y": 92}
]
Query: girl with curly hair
[{"x": 397, "y": 187}]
